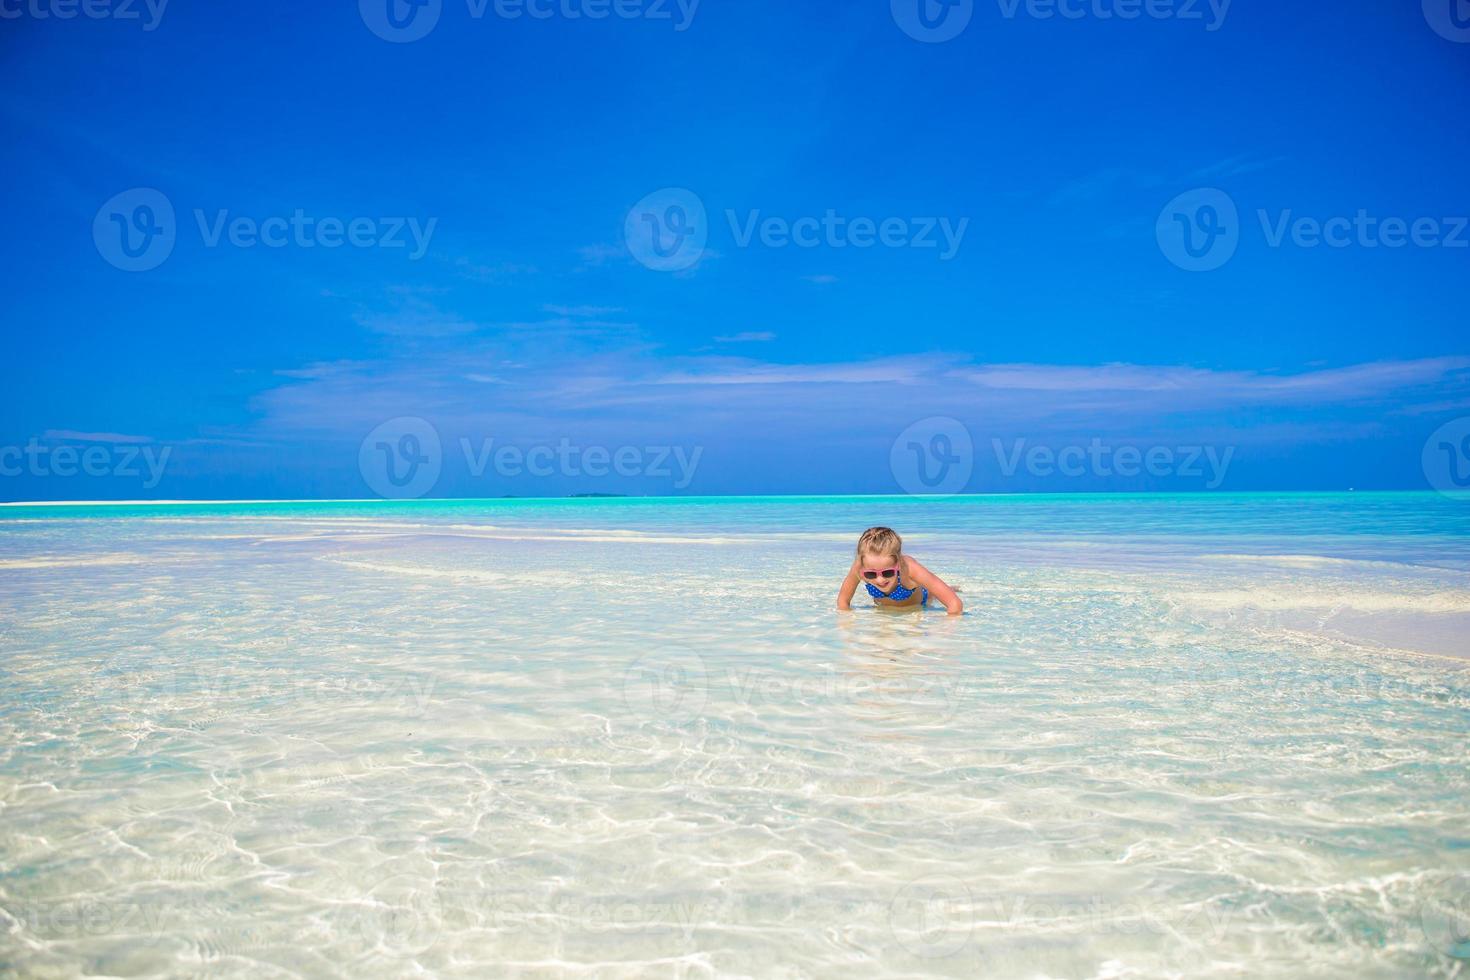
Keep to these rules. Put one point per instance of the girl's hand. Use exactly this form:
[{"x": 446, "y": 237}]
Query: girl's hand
[
  {"x": 849, "y": 586},
  {"x": 936, "y": 586}
]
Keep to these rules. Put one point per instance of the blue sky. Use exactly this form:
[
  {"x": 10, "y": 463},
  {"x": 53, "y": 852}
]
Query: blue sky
[{"x": 522, "y": 315}]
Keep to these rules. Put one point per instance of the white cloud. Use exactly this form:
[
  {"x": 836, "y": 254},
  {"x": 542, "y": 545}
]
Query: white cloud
[
  {"x": 581, "y": 311},
  {"x": 414, "y": 314},
  {"x": 525, "y": 384},
  {"x": 71, "y": 435},
  {"x": 491, "y": 272},
  {"x": 1203, "y": 386},
  {"x": 747, "y": 337},
  {"x": 602, "y": 253}
]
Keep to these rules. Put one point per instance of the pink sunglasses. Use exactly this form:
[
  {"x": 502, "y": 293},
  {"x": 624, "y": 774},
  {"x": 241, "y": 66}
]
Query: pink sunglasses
[{"x": 886, "y": 573}]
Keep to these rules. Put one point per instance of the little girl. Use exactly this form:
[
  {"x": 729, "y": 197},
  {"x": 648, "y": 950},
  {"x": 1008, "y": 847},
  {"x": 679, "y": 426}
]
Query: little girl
[{"x": 882, "y": 566}]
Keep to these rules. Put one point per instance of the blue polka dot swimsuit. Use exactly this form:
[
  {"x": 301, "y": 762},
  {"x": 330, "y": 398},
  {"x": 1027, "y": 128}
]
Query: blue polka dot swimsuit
[{"x": 899, "y": 593}]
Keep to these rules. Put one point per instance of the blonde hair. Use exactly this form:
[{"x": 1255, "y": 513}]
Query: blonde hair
[{"x": 880, "y": 541}]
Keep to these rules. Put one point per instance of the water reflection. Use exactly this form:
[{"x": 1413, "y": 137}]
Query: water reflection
[{"x": 900, "y": 670}]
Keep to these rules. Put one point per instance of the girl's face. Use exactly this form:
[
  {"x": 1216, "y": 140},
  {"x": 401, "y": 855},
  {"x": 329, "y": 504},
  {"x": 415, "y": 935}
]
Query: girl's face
[{"x": 879, "y": 571}]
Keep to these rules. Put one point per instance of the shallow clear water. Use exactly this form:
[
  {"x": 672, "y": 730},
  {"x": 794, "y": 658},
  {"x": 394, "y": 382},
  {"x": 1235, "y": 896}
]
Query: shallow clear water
[{"x": 1204, "y": 736}]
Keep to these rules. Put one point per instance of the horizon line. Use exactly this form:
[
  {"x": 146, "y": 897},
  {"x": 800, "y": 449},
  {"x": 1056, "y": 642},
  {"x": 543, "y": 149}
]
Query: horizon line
[{"x": 613, "y": 497}]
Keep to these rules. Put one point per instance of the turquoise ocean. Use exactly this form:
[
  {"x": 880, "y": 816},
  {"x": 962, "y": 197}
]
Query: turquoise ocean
[{"x": 1173, "y": 735}]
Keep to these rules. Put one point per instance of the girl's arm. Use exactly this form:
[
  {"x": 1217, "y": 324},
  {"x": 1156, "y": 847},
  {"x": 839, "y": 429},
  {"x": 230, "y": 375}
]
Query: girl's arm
[
  {"x": 849, "y": 586},
  {"x": 920, "y": 575}
]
